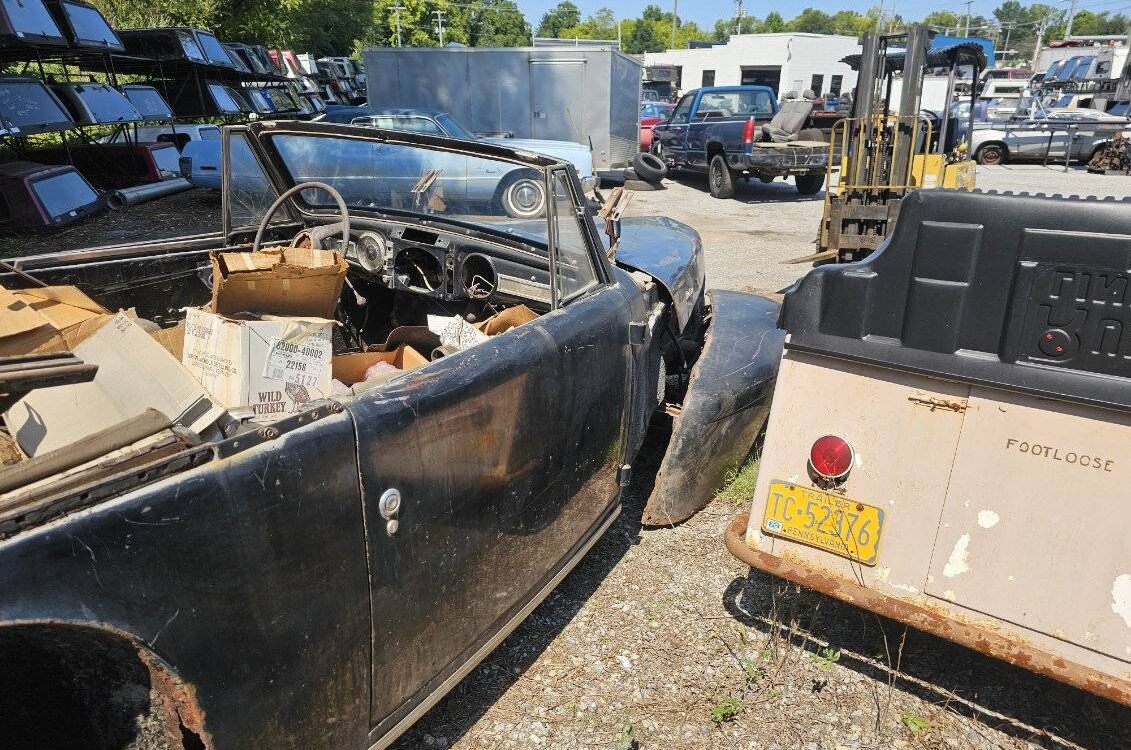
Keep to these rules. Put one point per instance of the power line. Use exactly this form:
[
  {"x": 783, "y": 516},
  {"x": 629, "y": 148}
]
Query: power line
[
  {"x": 440, "y": 24},
  {"x": 397, "y": 9}
]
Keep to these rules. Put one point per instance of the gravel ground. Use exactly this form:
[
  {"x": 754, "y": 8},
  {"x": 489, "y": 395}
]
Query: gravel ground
[{"x": 747, "y": 239}]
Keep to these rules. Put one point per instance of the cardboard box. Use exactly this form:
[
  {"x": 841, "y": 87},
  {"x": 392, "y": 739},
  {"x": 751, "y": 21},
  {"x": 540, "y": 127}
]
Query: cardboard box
[
  {"x": 134, "y": 374},
  {"x": 349, "y": 369},
  {"x": 298, "y": 282},
  {"x": 47, "y": 319},
  {"x": 269, "y": 367},
  {"x": 172, "y": 339}
]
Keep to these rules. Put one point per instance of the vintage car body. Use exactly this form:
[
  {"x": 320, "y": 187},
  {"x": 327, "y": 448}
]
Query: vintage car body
[
  {"x": 251, "y": 589},
  {"x": 1046, "y": 136},
  {"x": 950, "y": 440}
]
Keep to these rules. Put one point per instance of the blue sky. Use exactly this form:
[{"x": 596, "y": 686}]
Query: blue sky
[{"x": 704, "y": 12}]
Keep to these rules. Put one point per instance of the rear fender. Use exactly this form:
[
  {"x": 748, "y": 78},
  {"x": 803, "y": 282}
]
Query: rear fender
[{"x": 726, "y": 406}]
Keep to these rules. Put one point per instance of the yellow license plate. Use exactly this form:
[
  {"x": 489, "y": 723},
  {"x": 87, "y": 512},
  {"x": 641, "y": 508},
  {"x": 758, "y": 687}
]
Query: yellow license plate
[{"x": 821, "y": 519}]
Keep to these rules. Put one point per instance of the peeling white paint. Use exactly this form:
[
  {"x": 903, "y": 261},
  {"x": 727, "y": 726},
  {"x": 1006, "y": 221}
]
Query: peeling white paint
[
  {"x": 948, "y": 595},
  {"x": 1121, "y": 597},
  {"x": 987, "y": 519},
  {"x": 959, "y": 558},
  {"x": 1011, "y": 578},
  {"x": 883, "y": 575}
]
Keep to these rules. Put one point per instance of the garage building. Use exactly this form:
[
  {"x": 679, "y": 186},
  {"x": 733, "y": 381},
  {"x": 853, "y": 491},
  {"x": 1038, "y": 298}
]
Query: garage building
[{"x": 784, "y": 62}]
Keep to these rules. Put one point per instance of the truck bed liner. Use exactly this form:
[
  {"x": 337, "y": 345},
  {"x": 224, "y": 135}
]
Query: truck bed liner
[{"x": 1022, "y": 292}]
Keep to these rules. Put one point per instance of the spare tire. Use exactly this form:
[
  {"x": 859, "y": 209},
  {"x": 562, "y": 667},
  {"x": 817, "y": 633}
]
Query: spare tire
[{"x": 649, "y": 167}]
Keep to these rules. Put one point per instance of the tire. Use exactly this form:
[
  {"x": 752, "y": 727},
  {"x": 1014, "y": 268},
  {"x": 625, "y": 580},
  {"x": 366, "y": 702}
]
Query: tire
[
  {"x": 809, "y": 184},
  {"x": 642, "y": 186},
  {"x": 812, "y": 134},
  {"x": 649, "y": 168},
  {"x": 990, "y": 154},
  {"x": 524, "y": 198},
  {"x": 719, "y": 179}
]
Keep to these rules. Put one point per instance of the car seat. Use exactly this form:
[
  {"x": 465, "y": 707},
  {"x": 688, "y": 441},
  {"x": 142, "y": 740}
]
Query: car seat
[{"x": 787, "y": 123}]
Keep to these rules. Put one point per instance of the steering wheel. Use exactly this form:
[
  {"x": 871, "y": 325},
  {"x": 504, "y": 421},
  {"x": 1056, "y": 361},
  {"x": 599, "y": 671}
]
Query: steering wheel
[{"x": 315, "y": 234}]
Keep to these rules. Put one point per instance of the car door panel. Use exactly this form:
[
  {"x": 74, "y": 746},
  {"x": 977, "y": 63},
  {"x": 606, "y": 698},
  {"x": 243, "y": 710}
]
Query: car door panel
[
  {"x": 246, "y": 574},
  {"x": 505, "y": 456}
]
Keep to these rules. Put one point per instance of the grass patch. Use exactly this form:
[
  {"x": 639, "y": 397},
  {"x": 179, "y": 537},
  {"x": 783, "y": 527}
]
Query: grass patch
[{"x": 739, "y": 487}]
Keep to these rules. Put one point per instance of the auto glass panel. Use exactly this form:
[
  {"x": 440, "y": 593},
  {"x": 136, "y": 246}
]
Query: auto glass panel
[
  {"x": 28, "y": 105},
  {"x": 455, "y": 128},
  {"x": 63, "y": 192},
  {"x": 89, "y": 25},
  {"x": 167, "y": 160},
  {"x": 574, "y": 273},
  {"x": 409, "y": 125},
  {"x": 106, "y": 104},
  {"x": 148, "y": 101},
  {"x": 249, "y": 191},
  {"x": 213, "y": 50},
  {"x": 31, "y": 17},
  {"x": 191, "y": 49},
  {"x": 224, "y": 101},
  {"x": 738, "y": 103},
  {"x": 682, "y": 111},
  {"x": 373, "y": 174}
]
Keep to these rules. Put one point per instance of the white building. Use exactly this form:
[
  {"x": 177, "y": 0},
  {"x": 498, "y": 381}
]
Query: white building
[{"x": 784, "y": 62}]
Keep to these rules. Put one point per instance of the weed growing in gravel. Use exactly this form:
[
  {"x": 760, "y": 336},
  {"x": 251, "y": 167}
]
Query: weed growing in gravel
[
  {"x": 627, "y": 739},
  {"x": 826, "y": 657},
  {"x": 914, "y": 723},
  {"x": 725, "y": 709},
  {"x": 738, "y": 487}
]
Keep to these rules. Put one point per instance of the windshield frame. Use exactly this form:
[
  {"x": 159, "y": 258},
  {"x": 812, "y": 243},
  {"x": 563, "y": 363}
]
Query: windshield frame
[{"x": 259, "y": 133}]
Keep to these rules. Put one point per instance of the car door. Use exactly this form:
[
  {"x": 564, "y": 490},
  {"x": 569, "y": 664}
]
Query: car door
[
  {"x": 502, "y": 462},
  {"x": 671, "y": 136}
]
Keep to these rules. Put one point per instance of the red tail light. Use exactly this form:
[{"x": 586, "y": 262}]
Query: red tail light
[
  {"x": 831, "y": 457},
  {"x": 748, "y": 131}
]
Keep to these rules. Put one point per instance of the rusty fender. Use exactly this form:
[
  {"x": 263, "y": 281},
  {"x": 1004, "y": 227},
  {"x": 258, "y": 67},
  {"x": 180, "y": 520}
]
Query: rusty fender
[
  {"x": 727, "y": 402},
  {"x": 971, "y": 635}
]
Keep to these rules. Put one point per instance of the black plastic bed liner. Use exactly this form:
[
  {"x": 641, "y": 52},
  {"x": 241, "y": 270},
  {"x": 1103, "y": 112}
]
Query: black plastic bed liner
[{"x": 1021, "y": 292}]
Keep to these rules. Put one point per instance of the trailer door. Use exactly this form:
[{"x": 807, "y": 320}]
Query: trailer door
[{"x": 557, "y": 100}]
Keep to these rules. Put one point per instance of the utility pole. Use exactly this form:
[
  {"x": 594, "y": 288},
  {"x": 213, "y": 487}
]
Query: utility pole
[
  {"x": 675, "y": 20},
  {"x": 1005, "y": 47},
  {"x": 966, "y": 26},
  {"x": 440, "y": 24},
  {"x": 880, "y": 18},
  {"x": 397, "y": 20},
  {"x": 737, "y": 16},
  {"x": 1071, "y": 15},
  {"x": 1040, "y": 38}
]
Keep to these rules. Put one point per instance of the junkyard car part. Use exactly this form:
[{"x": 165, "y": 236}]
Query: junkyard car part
[
  {"x": 27, "y": 22},
  {"x": 122, "y": 197},
  {"x": 964, "y": 391},
  {"x": 148, "y": 101},
  {"x": 28, "y": 107},
  {"x": 84, "y": 25},
  {"x": 38, "y": 195},
  {"x": 229, "y": 540},
  {"x": 96, "y": 103}
]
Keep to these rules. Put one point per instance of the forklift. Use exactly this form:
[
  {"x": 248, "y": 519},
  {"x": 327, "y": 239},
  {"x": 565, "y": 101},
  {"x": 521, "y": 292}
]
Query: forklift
[{"x": 883, "y": 155}]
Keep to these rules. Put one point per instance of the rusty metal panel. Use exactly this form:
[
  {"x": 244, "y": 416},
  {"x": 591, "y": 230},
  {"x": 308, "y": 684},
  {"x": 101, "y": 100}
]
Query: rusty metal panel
[
  {"x": 1048, "y": 547},
  {"x": 893, "y": 471}
]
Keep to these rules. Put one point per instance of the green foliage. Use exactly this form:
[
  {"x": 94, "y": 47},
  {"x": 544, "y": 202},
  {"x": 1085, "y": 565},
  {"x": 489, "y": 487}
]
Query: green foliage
[
  {"x": 725, "y": 709},
  {"x": 826, "y": 657},
  {"x": 914, "y": 723},
  {"x": 562, "y": 16}
]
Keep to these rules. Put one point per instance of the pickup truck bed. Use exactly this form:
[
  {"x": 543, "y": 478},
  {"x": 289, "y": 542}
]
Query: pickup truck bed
[{"x": 974, "y": 378}]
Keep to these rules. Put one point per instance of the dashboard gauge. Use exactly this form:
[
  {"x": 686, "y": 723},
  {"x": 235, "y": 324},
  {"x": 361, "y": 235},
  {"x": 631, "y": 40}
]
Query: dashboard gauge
[{"x": 372, "y": 250}]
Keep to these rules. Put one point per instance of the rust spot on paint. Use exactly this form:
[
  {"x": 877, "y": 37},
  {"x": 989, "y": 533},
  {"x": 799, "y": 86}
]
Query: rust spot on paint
[{"x": 182, "y": 710}]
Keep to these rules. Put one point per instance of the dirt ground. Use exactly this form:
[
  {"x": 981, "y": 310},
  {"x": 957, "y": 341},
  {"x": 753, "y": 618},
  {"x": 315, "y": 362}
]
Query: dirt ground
[{"x": 660, "y": 639}]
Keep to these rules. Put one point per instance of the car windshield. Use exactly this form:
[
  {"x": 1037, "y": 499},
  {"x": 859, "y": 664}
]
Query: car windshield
[
  {"x": 737, "y": 103},
  {"x": 106, "y": 104},
  {"x": 148, "y": 102},
  {"x": 213, "y": 49},
  {"x": 224, "y": 100},
  {"x": 414, "y": 179},
  {"x": 89, "y": 25},
  {"x": 189, "y": 45},
  {"x": 28, "y": 105},
  {"x": 30, "y": 17},
  {"x": 454, "y": 128},
  {"x": 63, "y": 192}
]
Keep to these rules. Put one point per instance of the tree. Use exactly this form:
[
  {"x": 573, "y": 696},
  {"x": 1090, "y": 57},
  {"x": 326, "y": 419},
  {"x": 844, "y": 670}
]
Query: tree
[
  {"x": 498, "y": 23},
  {"x": 812, "y": 21},
  {"x": 562, "y": 16},
  {"x": 850, "y": 23},
  {"x": 943, "y": 21},
  {"x": 642, "y": 38},
  {"x": 774, "y": 23}
]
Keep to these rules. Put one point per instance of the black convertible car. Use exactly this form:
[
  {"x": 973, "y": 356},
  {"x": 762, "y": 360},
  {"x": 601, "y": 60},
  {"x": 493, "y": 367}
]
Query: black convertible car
[{"x": 323, "y": 580}]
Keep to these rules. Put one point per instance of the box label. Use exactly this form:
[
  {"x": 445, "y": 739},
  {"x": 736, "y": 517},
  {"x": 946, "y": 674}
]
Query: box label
[{"x": 298, "y": 362}]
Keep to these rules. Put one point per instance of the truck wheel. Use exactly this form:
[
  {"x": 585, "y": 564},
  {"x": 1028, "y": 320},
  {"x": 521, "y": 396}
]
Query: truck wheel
[
  {"x": 809, "y": 184},
  {"x": 524, "y": 198},
  {"x": 649, "y": 168},
  {"x": 990, "y": 154},
  {"x": 719, "y": 179}
]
